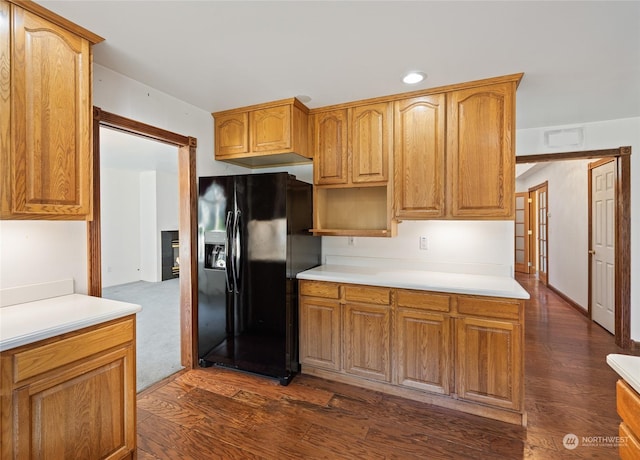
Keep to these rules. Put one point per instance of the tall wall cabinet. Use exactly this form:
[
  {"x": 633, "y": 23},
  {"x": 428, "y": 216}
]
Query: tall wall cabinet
[{"x": 45, "y": 114}]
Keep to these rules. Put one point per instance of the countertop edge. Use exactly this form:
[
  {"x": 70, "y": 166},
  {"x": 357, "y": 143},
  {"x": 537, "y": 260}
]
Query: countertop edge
[
  {"x": 120, "y": 310},
  {"x": 620, "y": 364},
  {"x": 520, "y": 294}
]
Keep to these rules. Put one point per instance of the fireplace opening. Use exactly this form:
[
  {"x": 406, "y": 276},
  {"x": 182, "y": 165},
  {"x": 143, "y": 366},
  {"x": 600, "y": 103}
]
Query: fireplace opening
[{"x": 170, "y": 254}]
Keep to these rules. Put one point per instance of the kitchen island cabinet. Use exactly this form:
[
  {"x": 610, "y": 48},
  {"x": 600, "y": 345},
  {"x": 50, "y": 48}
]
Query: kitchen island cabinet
[
  {"x": 456, "y": 350},
  {"x": 68, "y": 378},
  {"x": 45, "y": 115},
  {"x": 627, "y": 403}
]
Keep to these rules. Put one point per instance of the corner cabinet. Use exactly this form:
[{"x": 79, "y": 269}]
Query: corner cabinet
[
  {"x": 269, "y": 134},
  {"x": 45, "y": 115},
  {"x": 71, "y": 396},
  {"x": 458, "y": 351}
]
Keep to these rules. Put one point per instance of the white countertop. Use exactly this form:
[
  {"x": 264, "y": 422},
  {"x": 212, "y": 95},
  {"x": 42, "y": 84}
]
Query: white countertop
[
  {"x": 627, "y": 367},
  {"x": 455, "y": 283},
  {"x": 29, "y": 322}
]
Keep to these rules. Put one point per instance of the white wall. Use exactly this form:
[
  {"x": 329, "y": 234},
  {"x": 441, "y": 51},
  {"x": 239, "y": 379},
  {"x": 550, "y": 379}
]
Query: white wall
[
  {"x": 603, "y": 135},
  {"x": 120, "y": 212},
  {"x": 149, "y": 238},
  {"x": 465, "y": 244},
  {"x": 568, "y": 225}
]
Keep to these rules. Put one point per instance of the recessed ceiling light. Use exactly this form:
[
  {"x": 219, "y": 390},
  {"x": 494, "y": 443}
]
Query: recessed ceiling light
[{"x": 412, "y": 78}]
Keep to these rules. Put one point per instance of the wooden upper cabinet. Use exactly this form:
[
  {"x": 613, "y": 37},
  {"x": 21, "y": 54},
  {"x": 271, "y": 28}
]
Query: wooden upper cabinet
[
  {"x": 330, "y": 147},
  {"x": 480, "y": 151},
  {"x": 269, "y": 134},
  {"x": 270, "y": 129},
  {"x": 419, "y": 157},
  {"x": 370, "y": 139},
  {"x": 47, "y": 153},
  {"x": 232, "y": 134}
]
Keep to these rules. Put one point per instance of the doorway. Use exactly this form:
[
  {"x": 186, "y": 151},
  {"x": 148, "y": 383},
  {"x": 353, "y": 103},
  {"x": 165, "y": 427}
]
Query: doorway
[
  {"x": 622, "y": 253},
  {"x": 187, "y": 219}
]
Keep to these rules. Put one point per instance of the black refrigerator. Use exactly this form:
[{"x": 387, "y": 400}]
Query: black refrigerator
[{"x": 253, "y": 239}]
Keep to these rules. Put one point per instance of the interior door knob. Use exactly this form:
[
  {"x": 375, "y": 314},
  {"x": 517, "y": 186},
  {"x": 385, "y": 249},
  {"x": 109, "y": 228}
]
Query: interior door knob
[{"x": 592, "y": 251}]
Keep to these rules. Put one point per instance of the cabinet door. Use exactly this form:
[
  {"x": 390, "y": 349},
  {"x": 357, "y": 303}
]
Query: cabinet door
[
  {"x": 489, "y": 362},
  {"x": 232, "y": 134},
  {"x": 367, "y": 341},
  {"x": 419, "y": 157},
  {"x": 480, "y": 151},
  {"x": 320, "y": 333},
  {"x": 369, "y": 140},
  {"x": 330, "y": 147},
  {"x": 270, "y": 129},
  {"x": 71, "y": 396},
  {"x": 423, "y": 346},
  {"x": 51, "y": 144}
]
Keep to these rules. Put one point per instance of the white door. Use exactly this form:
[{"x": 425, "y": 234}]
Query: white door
[{"x": 602, "y": 253}]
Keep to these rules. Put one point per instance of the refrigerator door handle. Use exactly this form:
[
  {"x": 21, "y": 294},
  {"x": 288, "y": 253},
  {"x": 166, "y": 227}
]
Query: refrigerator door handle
[
  {"x": 237, "y": 250},
  {"x": 229, "y": 245}
]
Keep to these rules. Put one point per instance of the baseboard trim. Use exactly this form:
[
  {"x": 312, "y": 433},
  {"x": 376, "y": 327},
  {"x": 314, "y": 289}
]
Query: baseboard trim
[{"x": 569, "y": 300}]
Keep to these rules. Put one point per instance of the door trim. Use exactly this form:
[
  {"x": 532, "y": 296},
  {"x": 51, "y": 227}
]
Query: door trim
[
  {"x": 186, "y": 225},
  {"x": 533, "y": 192},
  {"x": 525, "y": 266},
  {"x": 623, "y": 228}
]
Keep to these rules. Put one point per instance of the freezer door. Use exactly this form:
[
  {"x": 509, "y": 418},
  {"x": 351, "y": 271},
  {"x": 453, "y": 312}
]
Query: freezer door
[{"x": 215, "y": 315}]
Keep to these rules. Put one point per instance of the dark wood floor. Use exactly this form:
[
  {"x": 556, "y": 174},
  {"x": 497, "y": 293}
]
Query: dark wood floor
[{"x": 213, "y": 413}]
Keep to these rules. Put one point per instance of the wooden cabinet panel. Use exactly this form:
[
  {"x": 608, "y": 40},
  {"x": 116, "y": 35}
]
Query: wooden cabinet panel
[
  {"x": 330, "y": 147},
  {"x": 423, "y": 300},
  {"x": 628, "y": 407},
  {"x": 232, "y": 134},
  {"x": 489, "y": 362},
  {"x": 60, "y": 399},
  {"x": 480, "y": 151},
  {"x": 48, "y": 159},
  {"x": 370, "y": 138},
  {"x": 367, "y": 294},
  {"x": 367, "y": 341},
  {"x": 319, "y": 289},
  {"x": 270, "y": 129},
  {"x": 423, "y": 347},
  {"x": 419, "y": 157},
  {"x": 488, "y": 307},
  {"x": 320, "y": 333}
]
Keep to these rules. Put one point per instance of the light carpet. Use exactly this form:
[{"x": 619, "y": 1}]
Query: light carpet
[{"x": 157, "y": 327}]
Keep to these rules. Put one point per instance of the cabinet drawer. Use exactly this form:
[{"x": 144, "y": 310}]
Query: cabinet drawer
[
  {"x": 489, "y": 308},
  {"x": 44, "y": 358},
  {"x": 366, "y": 294},
  {"x": 629, "y": 448},
  {"x": 423, "y": 300},
  {"x": 628, "y": 404},
  {"x": 320, "y": 289}
]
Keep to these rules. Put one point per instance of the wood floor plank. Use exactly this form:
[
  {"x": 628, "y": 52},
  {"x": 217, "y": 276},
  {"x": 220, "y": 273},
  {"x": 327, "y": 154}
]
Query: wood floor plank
[{"x": 218, "y": 413}]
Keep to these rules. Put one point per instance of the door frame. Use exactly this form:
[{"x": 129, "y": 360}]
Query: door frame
[
  {"x": 622, "y": 157},
  {"x": 187, "y": 220}
]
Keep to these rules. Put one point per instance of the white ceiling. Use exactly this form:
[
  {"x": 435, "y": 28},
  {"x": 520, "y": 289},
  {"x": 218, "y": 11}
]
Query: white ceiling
[
  {"x": 120, "y": 150},
  {"x": 581, "y": 59}
]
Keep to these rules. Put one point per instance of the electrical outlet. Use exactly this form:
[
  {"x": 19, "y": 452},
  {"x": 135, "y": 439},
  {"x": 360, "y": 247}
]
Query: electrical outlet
[{"x": 424, "y": 243}]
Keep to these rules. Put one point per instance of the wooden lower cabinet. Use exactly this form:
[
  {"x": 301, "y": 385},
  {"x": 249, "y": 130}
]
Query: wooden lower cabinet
[
  {"x": 458, "y": 351},
  {"x": 320, "y": 333},
  {"x": 423, "y": 346},
  {"x": 628, "y": 406},
  {"x": 367, "y": 340},
  {"x": 72, "y": 396}
]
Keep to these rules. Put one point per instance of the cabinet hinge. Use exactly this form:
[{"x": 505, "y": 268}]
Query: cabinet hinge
[{"x": 529, "y": 200}]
